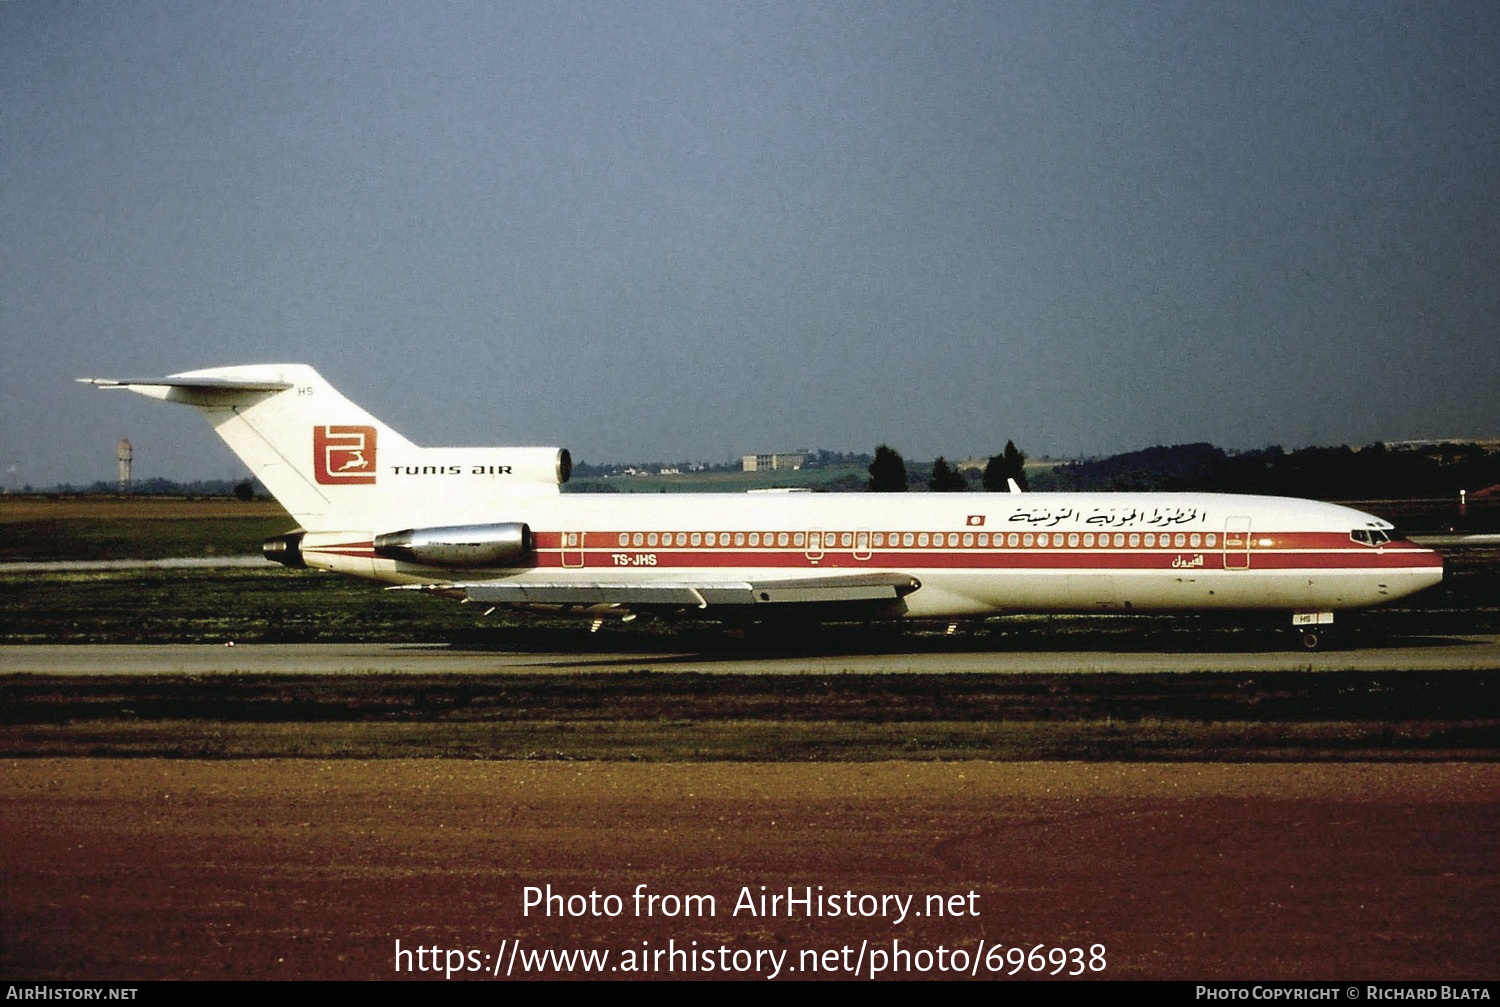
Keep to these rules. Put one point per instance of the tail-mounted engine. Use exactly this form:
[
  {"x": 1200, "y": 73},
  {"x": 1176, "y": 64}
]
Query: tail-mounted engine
[
  {"x": 285, "y": 549},
  {"x": 477, "y": 545}
]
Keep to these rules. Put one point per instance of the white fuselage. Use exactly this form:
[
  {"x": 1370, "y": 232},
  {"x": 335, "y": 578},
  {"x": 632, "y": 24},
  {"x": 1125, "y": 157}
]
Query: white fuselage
[{"x": 974, "y": 554}]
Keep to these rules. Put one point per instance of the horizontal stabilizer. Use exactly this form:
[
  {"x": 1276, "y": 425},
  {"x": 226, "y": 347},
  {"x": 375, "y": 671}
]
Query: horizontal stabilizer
[{"x": 185, "y": 381}]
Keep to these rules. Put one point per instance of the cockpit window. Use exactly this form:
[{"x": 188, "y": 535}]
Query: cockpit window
[{"x": 1369, "y": 536}]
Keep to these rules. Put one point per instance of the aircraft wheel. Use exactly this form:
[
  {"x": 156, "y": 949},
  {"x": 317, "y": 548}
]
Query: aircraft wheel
[{"x": 1310, "y": 640}]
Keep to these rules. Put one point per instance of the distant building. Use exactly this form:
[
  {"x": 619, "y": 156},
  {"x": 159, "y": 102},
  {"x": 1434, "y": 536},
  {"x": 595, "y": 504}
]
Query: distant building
[
  {"x": 1491, "y": 444},
  {"x": 773, "y": 463}
]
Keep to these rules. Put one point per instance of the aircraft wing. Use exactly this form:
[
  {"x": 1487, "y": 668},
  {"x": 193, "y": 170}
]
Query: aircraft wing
[
  {"x": 859, "y": 590},
  {"x": 1473, "y": 540}
]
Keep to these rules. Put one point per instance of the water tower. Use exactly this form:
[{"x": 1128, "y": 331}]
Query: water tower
[{"x": 124, "y": 456}]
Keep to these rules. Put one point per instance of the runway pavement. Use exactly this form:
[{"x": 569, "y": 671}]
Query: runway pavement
[{"x": 1467, "y": 653}]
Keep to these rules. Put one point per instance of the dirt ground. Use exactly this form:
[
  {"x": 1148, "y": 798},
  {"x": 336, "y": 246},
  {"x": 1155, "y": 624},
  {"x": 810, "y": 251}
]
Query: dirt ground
[{"x": 148, "y": 869}]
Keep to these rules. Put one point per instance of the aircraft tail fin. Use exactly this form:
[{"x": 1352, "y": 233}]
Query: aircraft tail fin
[{"x": 332, "y": 465}]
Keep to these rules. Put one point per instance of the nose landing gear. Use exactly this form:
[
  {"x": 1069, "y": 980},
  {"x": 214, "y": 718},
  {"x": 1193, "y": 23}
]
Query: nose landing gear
[{"x": 1313, "y": 629}]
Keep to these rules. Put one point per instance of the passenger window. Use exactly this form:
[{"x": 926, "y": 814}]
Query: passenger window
[
  {"x": 697, "y": 538},
  {"x": 1088, "y": 539},
  {"x": 1027, "y": 539},
  {"x": 1194, "y": 540}
]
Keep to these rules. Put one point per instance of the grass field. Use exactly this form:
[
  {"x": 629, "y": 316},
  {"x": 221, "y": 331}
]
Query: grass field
[
  {"x": 1346, "y": 716},
  {"x": 37, "y": 507},
  {"x": 107, "y": 528}
]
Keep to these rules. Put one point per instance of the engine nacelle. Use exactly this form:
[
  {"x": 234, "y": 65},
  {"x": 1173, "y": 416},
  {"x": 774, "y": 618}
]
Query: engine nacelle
[
  {"x": 508, "y": 544},
  {"x": 285, "y": 549},
  {"x": 563, "y": 467},
  {"x": 511, "y": 469}
]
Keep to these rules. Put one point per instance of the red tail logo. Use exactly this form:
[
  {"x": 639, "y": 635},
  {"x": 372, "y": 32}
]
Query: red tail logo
[{"x": 344, "y": 455}]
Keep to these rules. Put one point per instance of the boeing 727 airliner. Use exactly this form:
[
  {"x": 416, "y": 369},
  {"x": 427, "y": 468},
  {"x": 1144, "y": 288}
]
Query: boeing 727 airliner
[{"x": 490, "y": 525}]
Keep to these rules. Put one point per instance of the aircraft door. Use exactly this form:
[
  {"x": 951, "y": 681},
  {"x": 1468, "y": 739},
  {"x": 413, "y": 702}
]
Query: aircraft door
[
  {"x": 862, "y": 544},
  {"x": 814, "y": 544},
  {"x": 572, "y": 548},
  {"x": 1237, "y": 543}
]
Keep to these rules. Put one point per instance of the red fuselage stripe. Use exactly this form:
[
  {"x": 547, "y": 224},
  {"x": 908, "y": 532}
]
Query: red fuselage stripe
[{"x": 1283, "y": 551}]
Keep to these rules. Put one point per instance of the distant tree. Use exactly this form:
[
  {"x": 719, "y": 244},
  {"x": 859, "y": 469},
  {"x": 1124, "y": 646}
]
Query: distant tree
[
  {"x": 1004, "y": 467},
  {"x": 946, "y": 479},
  {"x": 244, "y": 490},
  {"x": 1015, "y": 461},
  {"x": 994, "y": 475},
  {"x": 887, "y": 472}
]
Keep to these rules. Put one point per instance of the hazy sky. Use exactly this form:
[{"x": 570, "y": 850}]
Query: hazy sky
[{"x": 693, "y": 230}]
